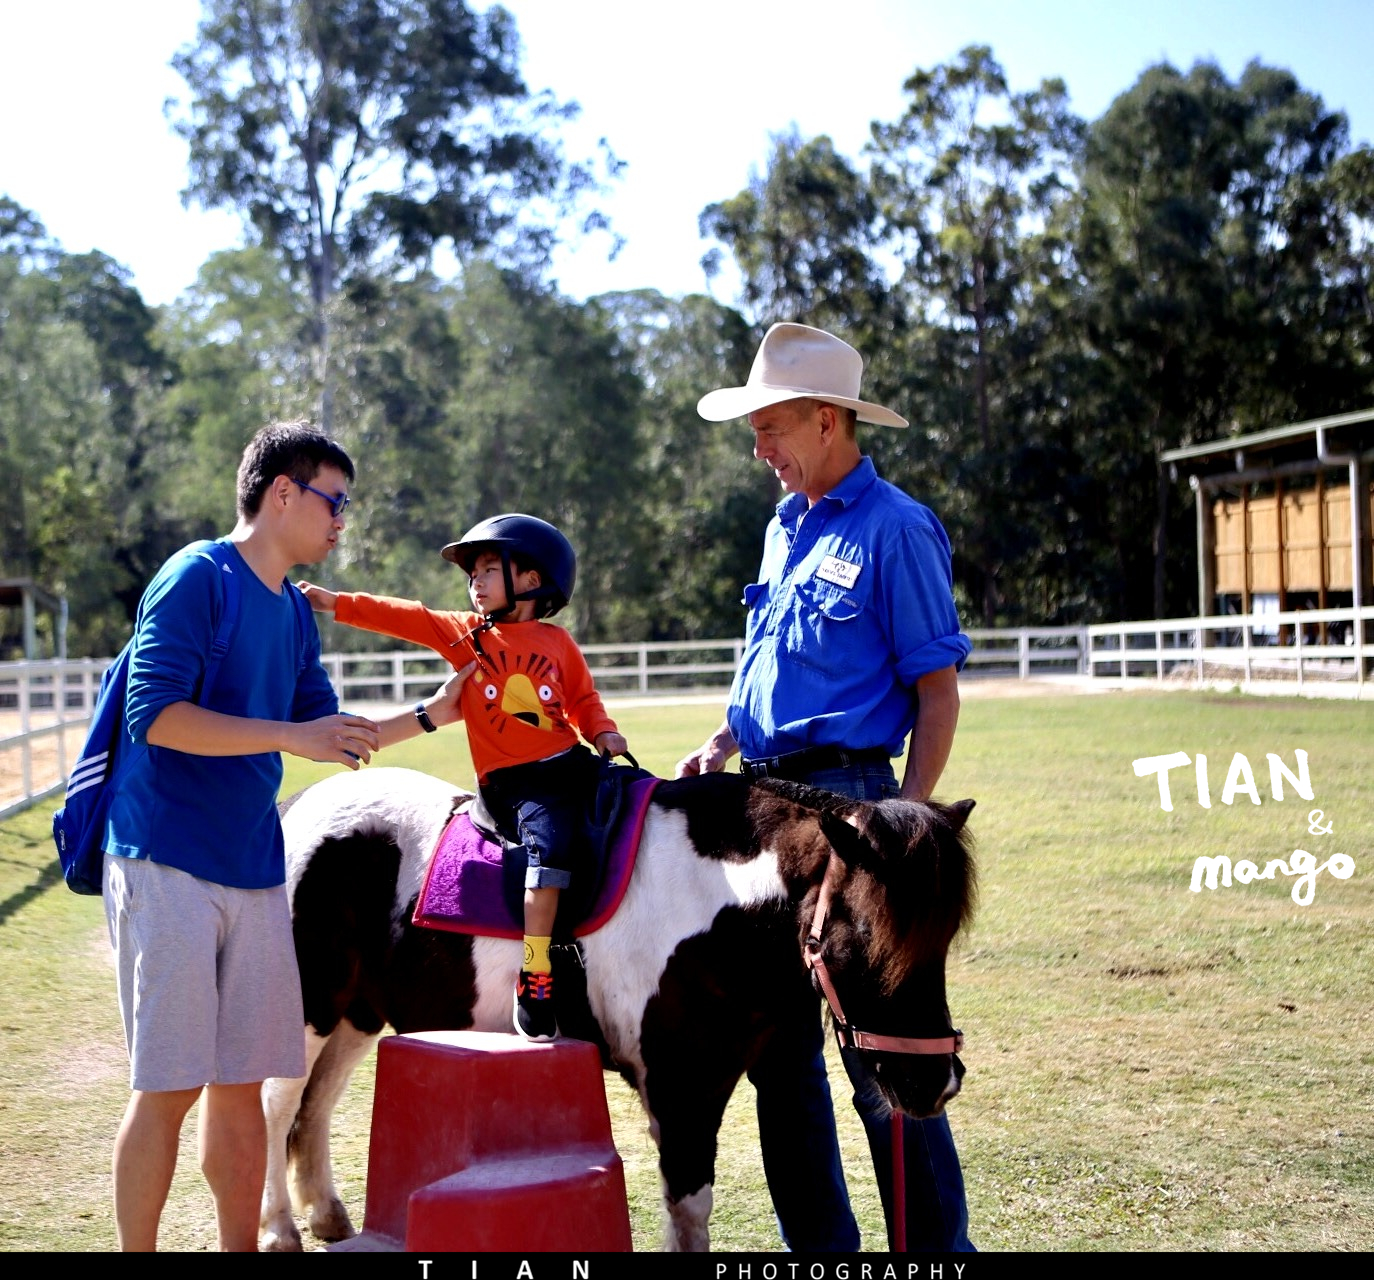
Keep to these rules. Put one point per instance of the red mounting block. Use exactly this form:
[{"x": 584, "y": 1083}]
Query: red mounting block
[{"x": 486, "y": 1143}]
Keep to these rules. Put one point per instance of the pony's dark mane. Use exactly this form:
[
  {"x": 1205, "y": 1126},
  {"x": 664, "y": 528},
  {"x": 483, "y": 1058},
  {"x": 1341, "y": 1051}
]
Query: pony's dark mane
[
  {"x": 925, "y": 897},
  {"x": 914, "y": 882}
]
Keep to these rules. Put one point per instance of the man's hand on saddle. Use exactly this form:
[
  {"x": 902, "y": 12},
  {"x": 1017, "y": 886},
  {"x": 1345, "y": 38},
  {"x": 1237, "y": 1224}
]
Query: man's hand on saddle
[
  {"x": 611, "y": 745},
  {"x": 710, "y": 757}
]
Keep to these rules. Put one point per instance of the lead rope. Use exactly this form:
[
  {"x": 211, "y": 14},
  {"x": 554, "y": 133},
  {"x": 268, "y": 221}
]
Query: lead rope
[
  {"x": 858, "y": 1039},
  {"x": 898, "y": 1183}
]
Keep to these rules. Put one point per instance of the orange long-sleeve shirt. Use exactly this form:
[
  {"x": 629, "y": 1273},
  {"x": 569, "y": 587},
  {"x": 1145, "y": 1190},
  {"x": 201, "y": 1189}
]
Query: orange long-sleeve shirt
[{"x": 531, "y": 695}]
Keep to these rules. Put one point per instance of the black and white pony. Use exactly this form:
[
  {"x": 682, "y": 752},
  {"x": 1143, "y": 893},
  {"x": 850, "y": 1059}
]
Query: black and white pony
[{"x": 744, "y": 901}]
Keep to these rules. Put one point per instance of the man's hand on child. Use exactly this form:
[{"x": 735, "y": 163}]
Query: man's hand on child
[
  {"x": 321, "y": 601},
  {"x": 443, "y": 706},
  {"x": 611, "y": 744}
]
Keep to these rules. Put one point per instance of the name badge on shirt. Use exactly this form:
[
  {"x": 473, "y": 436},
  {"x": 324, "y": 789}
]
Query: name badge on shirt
[{"x": 840, "y": 572}]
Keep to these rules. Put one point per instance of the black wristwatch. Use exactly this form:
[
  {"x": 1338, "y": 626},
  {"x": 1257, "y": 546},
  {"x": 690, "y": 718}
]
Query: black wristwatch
[{"x": 422, "y": 716}]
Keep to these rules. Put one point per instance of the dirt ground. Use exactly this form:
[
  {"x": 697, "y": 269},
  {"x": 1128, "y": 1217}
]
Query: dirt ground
[{"x": 43, "y": 755}]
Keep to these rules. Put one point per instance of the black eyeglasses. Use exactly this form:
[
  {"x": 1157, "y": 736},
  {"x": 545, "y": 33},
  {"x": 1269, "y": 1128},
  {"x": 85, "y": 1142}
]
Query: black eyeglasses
[{"x": 338, "y": 502}]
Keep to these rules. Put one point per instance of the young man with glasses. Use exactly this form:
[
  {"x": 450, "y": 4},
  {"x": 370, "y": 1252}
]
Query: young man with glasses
[{"x": 194, "y": 885}]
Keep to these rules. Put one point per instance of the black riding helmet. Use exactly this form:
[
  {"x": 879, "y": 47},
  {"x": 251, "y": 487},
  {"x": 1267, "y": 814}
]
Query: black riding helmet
[{"x": 535, "y": 543}]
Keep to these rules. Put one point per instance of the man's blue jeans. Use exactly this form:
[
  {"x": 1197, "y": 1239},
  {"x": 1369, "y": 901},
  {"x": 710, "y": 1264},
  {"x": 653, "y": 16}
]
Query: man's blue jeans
[{"x": 801, "y": 1152}]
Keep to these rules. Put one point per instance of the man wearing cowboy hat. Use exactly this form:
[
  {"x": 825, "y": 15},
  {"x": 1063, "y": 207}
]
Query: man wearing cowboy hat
[{"x": 852, "y": 642}]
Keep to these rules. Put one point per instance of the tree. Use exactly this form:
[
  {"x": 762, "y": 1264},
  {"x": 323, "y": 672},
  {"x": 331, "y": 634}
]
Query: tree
[
  {"x": 237, "y": 336},
  {"x": 547, "y": 421},
  {"x": 401, "y": 352},
  {"x": 802, "y": 236},
  {"x": 346, "y": 130},
  {"x": 705, "y": 500},
  {"x": 1212, "y": 243},
  {"x": 64, "y": 452},
  {"x": 967, "y": 181},
  {"x": 926, "y": 263}
]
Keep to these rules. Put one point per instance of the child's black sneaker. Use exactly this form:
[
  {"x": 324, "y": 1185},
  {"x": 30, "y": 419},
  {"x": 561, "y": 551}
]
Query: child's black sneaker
[{"x": 534, "y": 1016}]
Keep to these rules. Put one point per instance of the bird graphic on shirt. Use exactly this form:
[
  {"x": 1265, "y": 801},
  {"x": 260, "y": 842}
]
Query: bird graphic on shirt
[{"x": 527, "y": 696}]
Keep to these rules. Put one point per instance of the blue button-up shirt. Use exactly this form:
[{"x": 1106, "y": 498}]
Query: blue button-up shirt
[{"x": 853, "y": 605}]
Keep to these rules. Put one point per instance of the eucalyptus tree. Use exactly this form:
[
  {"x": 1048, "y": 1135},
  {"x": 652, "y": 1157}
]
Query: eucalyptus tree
[
  {"x": 400, "y": 353},
  {"x": 802, "y": 236},
  {"x": 925, "y": 259},
  {"x": 348, "y": 131},
  {"x": 705, "y": 500},
  {"x": 1211, "y": 244},
  {"x": 72, "y": 440},
  {"x": 1351, "y": 186},
  {"x": 545, "y": 419},
  {"x": 967, "y": 182},
  {"x": 238, "y": 336},
  {"x": 1294, "y": 223}
]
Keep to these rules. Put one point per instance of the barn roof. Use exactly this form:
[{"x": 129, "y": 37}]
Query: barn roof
[{"x": 1318, "y": 442}]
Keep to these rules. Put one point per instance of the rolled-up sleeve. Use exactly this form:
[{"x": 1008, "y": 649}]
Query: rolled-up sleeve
[{"x": 919, "y": 588}]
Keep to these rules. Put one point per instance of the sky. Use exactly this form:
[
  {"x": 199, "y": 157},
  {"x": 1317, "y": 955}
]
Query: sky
[{"x": 688, "y": 96}]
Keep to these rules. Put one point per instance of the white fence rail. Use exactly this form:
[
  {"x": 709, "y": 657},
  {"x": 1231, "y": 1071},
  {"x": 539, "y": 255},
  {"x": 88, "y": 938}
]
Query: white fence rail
[
  {"x": 44, "y": 710},
  {"x": 1307, "y": 647},
  {"x": 45, "y": 706},
  {"x": 648, "y": 669},
  {"x": 1027, "y": 651}
]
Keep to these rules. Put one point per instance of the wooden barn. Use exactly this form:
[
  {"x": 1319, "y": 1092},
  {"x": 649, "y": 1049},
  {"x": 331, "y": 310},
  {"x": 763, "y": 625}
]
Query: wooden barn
[{"x": 1284, "y": 516}]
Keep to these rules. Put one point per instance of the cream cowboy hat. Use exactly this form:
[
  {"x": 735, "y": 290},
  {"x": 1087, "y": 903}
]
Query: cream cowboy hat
[{"x": 796, "y": 361}]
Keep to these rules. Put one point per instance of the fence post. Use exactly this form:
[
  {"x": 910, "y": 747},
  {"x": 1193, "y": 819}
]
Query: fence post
[
  {"x": 60, "y": 706},
  {"x": 25, "y": 747},
  {"x": 1358, "y": 628}
]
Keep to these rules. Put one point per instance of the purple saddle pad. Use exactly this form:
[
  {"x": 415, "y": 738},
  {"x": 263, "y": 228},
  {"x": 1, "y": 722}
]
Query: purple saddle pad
[{"x": 463, "y": 887}]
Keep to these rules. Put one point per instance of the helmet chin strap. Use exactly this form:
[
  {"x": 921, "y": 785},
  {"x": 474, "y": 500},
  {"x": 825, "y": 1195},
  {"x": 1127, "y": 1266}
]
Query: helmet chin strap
[{"x": 503, "y": 614}]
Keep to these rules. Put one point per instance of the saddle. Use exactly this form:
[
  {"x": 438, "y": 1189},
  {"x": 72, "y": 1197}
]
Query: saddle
[{"x": 475, "y": 882}]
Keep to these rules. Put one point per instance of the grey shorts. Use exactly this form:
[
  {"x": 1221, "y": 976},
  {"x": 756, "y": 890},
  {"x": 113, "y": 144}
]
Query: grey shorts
[{"x": 208, "y": 984}]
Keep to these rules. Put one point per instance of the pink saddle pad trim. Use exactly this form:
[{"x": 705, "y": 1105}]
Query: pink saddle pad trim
[{"x": 462, "y": 890}]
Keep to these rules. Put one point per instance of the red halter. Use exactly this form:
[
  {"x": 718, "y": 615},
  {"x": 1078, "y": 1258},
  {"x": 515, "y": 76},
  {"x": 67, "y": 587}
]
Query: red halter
[{"x": 848, "y": 1036}]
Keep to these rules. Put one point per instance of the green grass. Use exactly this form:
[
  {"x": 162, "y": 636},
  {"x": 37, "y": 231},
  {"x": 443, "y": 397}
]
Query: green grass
[{"x": 1148, "y": 1068}]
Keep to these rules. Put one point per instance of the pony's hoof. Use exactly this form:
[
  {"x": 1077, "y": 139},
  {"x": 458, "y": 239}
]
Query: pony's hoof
[
  {"x": 332, "y": 1222},
  {"x": 279, "y": 1239}
]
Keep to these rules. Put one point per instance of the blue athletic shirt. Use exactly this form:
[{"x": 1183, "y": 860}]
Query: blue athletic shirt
[
  {"x": 213, "y": 816},
  {"x": 853, "y": 605}
]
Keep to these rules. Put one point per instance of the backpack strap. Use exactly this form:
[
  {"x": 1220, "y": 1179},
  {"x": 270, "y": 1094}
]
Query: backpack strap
[
  {"x": 218, "y": 554},
  {"x": 305, "y": 619}
]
